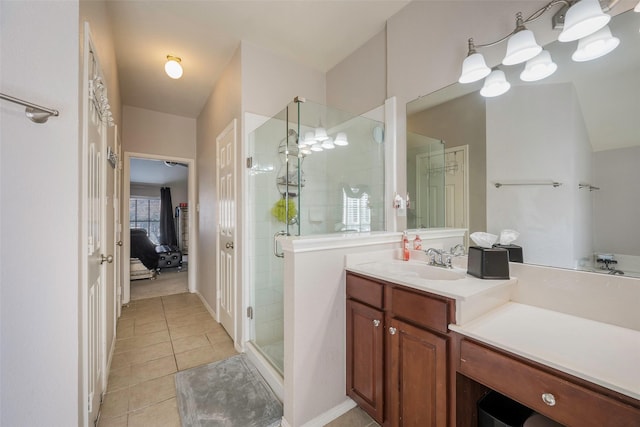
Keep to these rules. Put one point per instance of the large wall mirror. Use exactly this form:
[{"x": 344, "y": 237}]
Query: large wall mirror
[{"x": 558, "y": 160}]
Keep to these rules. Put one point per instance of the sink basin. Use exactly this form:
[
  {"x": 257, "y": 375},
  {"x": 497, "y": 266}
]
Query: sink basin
[{"x": 420, "y": 270}]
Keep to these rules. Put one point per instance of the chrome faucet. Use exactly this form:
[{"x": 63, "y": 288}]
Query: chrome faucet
[{"x": 438, "y": 258}]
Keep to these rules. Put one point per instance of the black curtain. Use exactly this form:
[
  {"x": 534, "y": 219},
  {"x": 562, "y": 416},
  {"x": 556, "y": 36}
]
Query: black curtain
[{"x": 167, "y": 225}]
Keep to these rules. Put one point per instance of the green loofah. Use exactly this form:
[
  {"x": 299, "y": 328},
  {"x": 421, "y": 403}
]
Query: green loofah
[{"x": 279, "y": 210}]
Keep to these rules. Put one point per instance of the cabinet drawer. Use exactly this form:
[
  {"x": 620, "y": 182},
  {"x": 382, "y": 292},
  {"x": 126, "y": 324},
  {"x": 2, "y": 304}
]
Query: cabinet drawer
[
  {"x": 365, "y": 290},
  {"x": 559, "y": 399},
  {"x": 420, "y": 309}
]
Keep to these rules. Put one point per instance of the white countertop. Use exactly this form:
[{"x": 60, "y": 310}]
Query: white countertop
[
  {"x": 598, "y": 352},
  {"x": 460, "y": 289}
]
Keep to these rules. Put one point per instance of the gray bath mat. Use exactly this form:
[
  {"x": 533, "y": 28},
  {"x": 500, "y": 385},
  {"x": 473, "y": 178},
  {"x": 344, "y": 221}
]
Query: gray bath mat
[{"x": 228, "y": 393}]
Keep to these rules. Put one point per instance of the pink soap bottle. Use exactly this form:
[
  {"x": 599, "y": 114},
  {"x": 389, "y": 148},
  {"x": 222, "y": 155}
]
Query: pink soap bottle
[
  {"x": 417, "y": 243},
  {"x": 405, "y": 246}
]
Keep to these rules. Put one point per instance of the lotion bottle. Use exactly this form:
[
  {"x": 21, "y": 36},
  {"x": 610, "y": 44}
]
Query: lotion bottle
[
  {"x": 405, "y": 246},
  {"x": 417, "y": 243}
]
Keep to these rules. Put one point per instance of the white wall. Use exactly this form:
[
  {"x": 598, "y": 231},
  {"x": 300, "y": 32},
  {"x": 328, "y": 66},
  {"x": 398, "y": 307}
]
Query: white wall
[
  {"x": 220, "y": 109},
  {"x": 615, "y": 229},
  {"x": 39, "y": 174},
  {"x": 546, "y": 147},
  {"x": 151, "y": 132}
]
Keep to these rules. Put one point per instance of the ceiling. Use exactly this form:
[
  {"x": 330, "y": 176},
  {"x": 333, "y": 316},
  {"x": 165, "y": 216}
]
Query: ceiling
[
  {"x": 206, "y": 33},
  {"x": 145, "y": 171}
]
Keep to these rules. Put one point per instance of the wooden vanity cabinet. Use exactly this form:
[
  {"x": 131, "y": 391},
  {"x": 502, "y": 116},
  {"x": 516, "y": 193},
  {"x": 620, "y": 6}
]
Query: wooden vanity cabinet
[{"x": 397, "y": 352}]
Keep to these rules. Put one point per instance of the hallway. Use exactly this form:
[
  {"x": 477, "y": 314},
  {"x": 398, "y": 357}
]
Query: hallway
[{"x": 157, "y": 337}]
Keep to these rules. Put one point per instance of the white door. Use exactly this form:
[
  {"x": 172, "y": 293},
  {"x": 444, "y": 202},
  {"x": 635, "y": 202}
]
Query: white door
[
  {"x": 456, "y": 197},
  {"x": 117, "y": 224},
  {"x": 93, "y": 229},
  {"x": 226, "y": 190}
]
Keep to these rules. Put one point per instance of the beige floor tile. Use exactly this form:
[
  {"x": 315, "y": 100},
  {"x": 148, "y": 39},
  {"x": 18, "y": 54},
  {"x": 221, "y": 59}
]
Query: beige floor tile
[
  {"x": 153, "y": 369},
  {"x": 172, "y": 313},
  {"x": 120, "y": 421},
  {"x": 180, "y": 345},
  {"x": 163, "y": 414},
  {"x": 126, "y": 322},
  {"x": 189, "y": 319},
  {"x": 224, "y": 351},
  {"x": 147, "y": 328},
  {"x": 188, "y": 330},
  {"x": 354, "y": 418},
  {"x": 218, "y": 335},
  {"x": 149, "y": 316},
  {"x": 195, "y": 357},
  {"x": 119, "y": 379},
  {"x": 150, "y": 392},
  {"x": 115, "y": 403},
  {"x": 151, "y": 352},
  {"x": 125, "y": 331},
  {"x": 138, "y": 342}
]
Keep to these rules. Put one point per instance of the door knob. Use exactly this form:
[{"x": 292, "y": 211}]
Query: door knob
[
  {"x": 119, "y": 243},
  {"x": 229, "y": 245},
  {"x": 108, "y": 258}
]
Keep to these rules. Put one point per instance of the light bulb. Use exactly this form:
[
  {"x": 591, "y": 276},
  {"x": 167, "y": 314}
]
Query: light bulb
[{"x": 173, "y": 67}]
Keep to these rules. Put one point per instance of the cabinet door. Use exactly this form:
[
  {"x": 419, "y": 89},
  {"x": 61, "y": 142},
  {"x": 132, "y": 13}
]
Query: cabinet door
[
  {"x": 418, "y": 386},
  {"x": 365, "y": 349}
]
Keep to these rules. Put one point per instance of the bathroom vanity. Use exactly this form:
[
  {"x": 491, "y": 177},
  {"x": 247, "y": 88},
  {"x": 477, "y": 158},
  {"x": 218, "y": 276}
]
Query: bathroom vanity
[{"x": 422, "y": 349}]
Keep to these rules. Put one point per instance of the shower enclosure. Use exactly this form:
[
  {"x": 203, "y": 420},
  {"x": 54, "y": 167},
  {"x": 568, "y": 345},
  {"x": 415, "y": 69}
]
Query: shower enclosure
[{"x": 312, "y": 170}]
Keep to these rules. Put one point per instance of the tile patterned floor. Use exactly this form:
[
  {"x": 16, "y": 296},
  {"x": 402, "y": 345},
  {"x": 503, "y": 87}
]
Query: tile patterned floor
[{"x": 157, "y": 337}]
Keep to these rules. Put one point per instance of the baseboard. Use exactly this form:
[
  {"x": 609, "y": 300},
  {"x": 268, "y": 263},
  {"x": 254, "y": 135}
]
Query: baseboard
[
  {"x": 211, "y": 311},
  {"x": 328, "y": 416},
  {"x": 109, "y": 360}
]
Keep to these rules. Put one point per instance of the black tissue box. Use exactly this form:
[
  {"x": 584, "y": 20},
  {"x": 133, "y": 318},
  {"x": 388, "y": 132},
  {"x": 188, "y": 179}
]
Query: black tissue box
[
  {"x": 515, "y": 252},
  {"x": 488, "y": 263}
]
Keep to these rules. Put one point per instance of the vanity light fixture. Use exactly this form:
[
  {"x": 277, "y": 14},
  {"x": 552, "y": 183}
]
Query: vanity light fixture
[
  {"x": 637, "y": 8},
  {"x": 327, "y": 144},
  {"x": 172, "y": 67},
  {"x": 538, "y": 68},
  {"x": 595, "y": 45},
  {"x": 495, "y": 84},
  {"x": 474, "y": 67},
  {"x": 522, "y": 44},
  {"x": 317, "y": 147},
  {"x": 341, "y": 139},
  {"x": 580, "y": 19},
  {"x": 583, "y": 18}
]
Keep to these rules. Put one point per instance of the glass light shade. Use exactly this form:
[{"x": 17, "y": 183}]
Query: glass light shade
[
  {"x": 495, "y": 84},
  {"x": 316, "y": 147},
  {"x": 309, "y": 139},
  {"x": 474, "y": 68},
  {"x": 596, "y": 45},
  {"x": 173, "y": 68},
  {"x": 320, "y": 134},
  {"x": 583, "y": 18},
  {"x": 341, "y": 139},
  {"x": 637, "y": 8},
  {"x": 327, "y": 144},
  {"x": 521, "y": 47},
  {"x": 305, "y": 151},
  {"x": 539, "y": 67}
]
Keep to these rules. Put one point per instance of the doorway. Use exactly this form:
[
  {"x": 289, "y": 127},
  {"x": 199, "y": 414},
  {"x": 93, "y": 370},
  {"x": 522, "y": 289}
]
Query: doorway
[{"x": 144, "y": 176}]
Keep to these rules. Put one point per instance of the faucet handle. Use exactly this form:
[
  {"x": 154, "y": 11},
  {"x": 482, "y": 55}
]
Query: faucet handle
[{"x": 457, "y": 250}]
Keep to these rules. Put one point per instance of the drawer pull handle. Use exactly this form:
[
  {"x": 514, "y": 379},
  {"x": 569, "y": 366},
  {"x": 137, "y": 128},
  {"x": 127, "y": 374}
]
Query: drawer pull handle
[
  {"x": 549, "y": 399},
  {"x": 392, "y": 330},
  {"x": 376, "y": 323}
]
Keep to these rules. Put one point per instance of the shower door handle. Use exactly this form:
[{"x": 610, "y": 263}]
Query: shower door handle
[{"x": 275, "y": 244}]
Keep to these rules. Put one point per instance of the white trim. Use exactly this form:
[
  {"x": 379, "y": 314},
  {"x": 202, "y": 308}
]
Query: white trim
[
  {"x": 325, "y": 242},
  {"x": 390, "y": 164},
  {"x": 271, "y": 376},
  {"x": 126, "y": 194}
]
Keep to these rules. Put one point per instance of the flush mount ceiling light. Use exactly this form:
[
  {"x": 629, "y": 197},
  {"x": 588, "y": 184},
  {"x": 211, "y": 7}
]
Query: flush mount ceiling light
[
  {"x": 595, "y": 45},
  {"x": 173, "y": 67},
  {"x": 580, "y": 19},
  {"x": 583, "y": 18}
]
